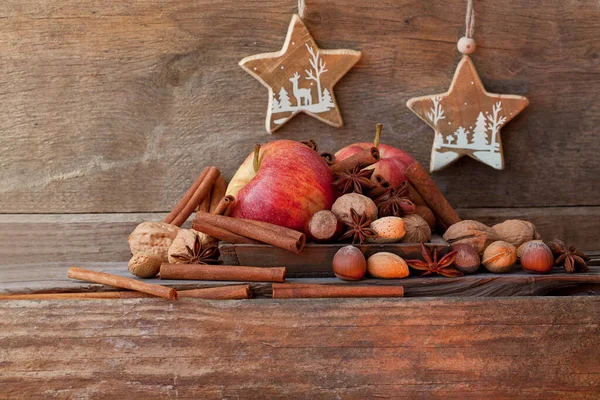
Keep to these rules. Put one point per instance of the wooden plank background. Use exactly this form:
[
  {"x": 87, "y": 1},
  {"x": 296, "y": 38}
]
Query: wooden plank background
[
  {"x": 502, "y": 348},
  {"x": 113, "y": 107}
]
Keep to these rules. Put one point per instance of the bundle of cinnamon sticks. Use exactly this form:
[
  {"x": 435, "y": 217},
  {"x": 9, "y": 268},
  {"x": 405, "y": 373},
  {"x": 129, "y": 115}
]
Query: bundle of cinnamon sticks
[
  {"x": 246, "y": 231},
  {"x": 207, "y": 196}
]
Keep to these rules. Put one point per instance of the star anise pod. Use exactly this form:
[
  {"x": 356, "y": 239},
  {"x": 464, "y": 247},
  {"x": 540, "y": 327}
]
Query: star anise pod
[
  {"x": 395, "y": 202},
  {"x": 571, "y": 259},
  {"x": 355, "y": 180},
  {"x": 200, "y": 254},
  {"x": 358, "y": 229},
  {"x": 431, "y": 265}
]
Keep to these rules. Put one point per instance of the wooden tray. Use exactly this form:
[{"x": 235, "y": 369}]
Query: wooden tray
[{"x": 315, "y": 259}]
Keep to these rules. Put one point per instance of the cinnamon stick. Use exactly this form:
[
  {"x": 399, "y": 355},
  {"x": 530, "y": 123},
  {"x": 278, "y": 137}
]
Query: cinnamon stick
[
  {"x": 121, "y": 282},
  {"x": 307, "y": 290},
  {"x": 225, "y": 205},
  {"x": 217, "y": 194},
  {"x": 186, "y": 197},
  {"x": 363, "y": 159},
  {"x": 205, "y": 204},
  {"x": 426, "y": 187},
  {"x": 232, "y": 292},
  {"x": 416, "y": 196},
  {"x": 381, "y": 186},
  {"x": 328, "y": 157},
  {"x": 221, "y": 273},
  {"x": 222, "y": 234},
  {"x": 275, "y": 235},
  {"x": 201, "y": 192}
]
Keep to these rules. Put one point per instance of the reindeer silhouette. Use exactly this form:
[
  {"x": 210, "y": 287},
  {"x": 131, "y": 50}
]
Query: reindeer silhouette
[{"x": 301, "y": 94}]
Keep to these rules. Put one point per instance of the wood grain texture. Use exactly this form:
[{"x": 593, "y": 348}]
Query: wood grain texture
[
  {"x": 542, "y": 348},
  {"x": 52, "y": 278},
  {"x": 103, "y": 237},
  {"x": 117, "y": 107}
]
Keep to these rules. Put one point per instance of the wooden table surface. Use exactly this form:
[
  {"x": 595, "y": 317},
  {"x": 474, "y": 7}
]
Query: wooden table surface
[
  {"x": 464, "y": 348},
  {"x": 430, "y": 347}
]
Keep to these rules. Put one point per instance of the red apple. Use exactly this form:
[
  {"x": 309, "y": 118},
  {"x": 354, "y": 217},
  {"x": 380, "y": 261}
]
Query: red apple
[
  {"x": 291, "y": 184},
  {"x": 392, "y": 162}
]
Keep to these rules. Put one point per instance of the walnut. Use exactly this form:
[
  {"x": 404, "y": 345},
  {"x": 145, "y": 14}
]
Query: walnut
[
  {"x": 417, "y": 229},
  {"x": 144, "y": 265},
  {"x": 152, "y": 238},
  {"x": 361, "y": 204},
  {"x": 475, "y": 233},
  {"x": 193, "y": 247},
  {"x": 516, "y": 231}
]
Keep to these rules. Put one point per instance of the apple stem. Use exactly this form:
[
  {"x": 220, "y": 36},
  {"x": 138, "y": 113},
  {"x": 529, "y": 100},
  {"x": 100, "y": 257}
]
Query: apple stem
[
  {"x": 256, "y": 154},
  {"x": 378, "y": 129}
]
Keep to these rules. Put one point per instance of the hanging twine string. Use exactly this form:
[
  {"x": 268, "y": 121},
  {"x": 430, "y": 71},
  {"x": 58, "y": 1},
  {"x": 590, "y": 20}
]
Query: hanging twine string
[
  {"x": 466, "y": 44},
  {"x": 301, "y": 8},
  {"x": 470, "y": 20}
]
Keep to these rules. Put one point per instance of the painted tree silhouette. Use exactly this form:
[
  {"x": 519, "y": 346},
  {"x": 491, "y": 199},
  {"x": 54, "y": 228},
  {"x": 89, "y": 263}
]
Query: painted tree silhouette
[
  {"x": 274, "y": 104},
  {"x": 480, "y": 137},
  {"x": 436, "y": 113},
  {"x": 319, "y": 68},
  {"x": 327, "y": 98},
  {"x": 284, "y": 100},
  {"x": 496, "y": 121}
]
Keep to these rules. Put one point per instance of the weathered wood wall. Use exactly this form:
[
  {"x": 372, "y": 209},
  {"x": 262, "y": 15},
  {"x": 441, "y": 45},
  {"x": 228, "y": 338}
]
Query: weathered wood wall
[{"x": 114, "y": 107}]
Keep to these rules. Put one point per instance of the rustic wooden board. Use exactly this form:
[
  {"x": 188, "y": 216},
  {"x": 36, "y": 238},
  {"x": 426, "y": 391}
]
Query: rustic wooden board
[
  {"x": 103, "y": 237},
  {"x": 509, "y": 348},
  {"x": 116, "y": 107},
  {"x": 52, "y": 278},
  {"x": 315, "y": 259}
]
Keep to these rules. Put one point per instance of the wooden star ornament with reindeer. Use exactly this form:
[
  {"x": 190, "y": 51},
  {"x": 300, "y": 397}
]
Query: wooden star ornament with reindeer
[
  {"x": 467, "y": 119},
  {"x": 300, "y": 77}
]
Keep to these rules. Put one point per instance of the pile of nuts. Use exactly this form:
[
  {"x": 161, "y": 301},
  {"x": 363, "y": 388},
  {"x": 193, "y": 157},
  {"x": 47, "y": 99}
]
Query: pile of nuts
[
  {"x": 154, "y": 243},
  {"x": 497, "y": 248}
]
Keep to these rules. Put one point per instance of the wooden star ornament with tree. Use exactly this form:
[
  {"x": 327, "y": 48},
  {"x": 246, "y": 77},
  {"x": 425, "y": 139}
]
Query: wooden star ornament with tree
[
  {"x": 467, "y": 119},
  {"x": 300, "y": 77}
]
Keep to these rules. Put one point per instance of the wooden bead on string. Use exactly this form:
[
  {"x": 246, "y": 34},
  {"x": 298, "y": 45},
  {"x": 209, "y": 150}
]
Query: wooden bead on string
[{"x": 466, "y": 45}]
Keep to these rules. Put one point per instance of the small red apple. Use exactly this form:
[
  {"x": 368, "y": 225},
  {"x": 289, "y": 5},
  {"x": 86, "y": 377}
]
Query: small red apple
[
  {"x": 392, "y": 162},
  {"x": 290, "y": 184}
]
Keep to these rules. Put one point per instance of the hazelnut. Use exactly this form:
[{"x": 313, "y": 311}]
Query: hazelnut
[
  {"x": 144, "y": 265},
  {"x": 467, "y": 259},
  {"x": 521, "y": 247},
  {"x": 361, "y": 204},
  {"x": 388, "y": 230},
  {"x": 349, "y": 264},
  {"x": 500, "y": 257},
  {"x": 323, "y": 227},
  {"x": 387, "y": 265},
  {"x": 537, "y": 258},
  {"x": 417, "y": 229}
]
